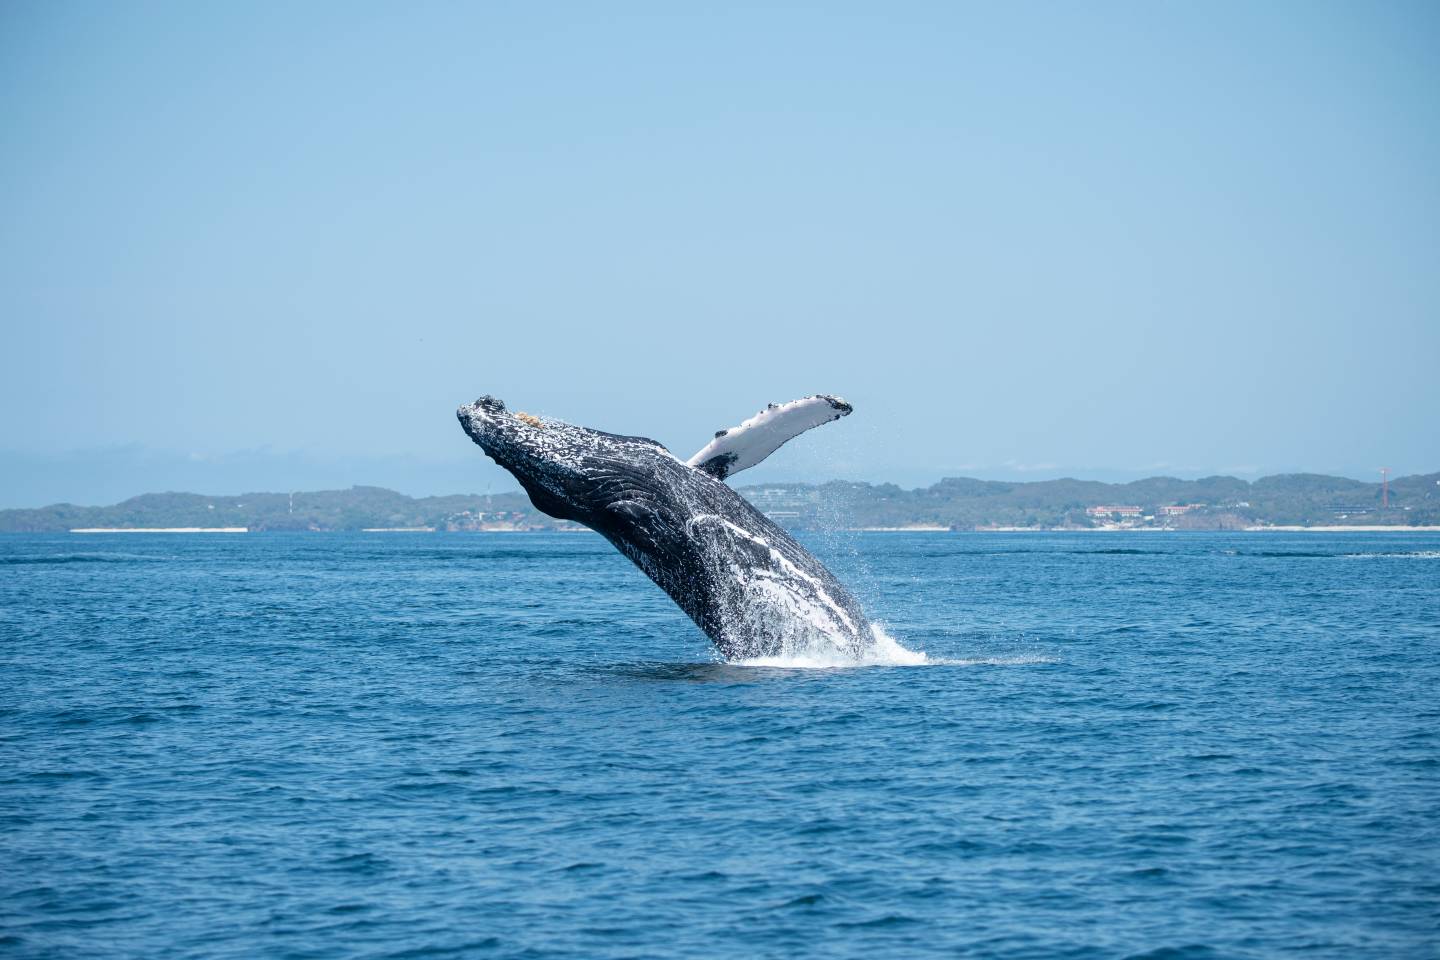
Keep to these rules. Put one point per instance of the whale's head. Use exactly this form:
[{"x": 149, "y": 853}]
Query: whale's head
[{"x": 570, "y": 472}]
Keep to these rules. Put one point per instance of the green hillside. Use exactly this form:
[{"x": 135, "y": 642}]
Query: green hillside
[
  {"x": 961, "y": 503},
  {"x": 353, "y": 509},
  {"x": 1215, "y": 502}
]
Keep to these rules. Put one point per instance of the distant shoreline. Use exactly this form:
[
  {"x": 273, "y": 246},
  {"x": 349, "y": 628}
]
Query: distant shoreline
[
  {"x": 1287, "y": 503},
  {"x": 160, "y": 530},
  {"x": 1351, "y": 528},
  {"x": 1354, "y": 528}
]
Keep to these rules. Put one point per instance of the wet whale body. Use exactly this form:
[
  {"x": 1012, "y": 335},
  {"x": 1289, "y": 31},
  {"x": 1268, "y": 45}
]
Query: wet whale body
[{"x": 743, "y": 580}]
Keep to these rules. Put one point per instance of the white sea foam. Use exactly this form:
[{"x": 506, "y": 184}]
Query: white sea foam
[{"x": 886, "y": 651}]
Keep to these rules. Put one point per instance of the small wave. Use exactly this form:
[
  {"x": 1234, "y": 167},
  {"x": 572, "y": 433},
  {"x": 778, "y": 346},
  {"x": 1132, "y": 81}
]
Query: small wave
[
  {"x": 1336, "y": 555},
  {"x": 1019, "y": 660},
  {"x": 56, "y": 559}
]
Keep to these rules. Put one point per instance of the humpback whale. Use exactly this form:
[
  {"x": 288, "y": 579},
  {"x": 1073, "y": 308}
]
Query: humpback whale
[{"x": 743, "y": 580}]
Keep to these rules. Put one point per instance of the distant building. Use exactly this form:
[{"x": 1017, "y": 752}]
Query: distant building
[
  {"x": 1112, "y": 511},
  {"x": 770, "y": 499},
  {"x": 1179, "y": 509}
]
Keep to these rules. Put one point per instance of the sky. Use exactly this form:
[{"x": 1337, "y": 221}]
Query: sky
[{"x": 273, "y": 246}]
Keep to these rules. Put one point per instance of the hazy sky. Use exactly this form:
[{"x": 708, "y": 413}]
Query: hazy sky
[{"x": 266, "y": 246}]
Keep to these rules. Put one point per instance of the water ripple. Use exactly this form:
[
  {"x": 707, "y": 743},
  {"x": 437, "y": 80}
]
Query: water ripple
[{"x": 493, "y": 746}]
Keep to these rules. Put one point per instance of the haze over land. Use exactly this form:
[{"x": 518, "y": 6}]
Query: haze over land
[{"x": 1213, "y": 503}]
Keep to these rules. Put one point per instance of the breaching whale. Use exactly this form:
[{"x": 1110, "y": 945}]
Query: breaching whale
[{"x": 743, "y": 580}]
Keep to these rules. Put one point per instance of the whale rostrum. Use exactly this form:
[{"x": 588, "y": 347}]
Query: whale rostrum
[{"x": 743, "y": 580}]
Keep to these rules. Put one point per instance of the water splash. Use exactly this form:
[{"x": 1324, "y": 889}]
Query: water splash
[{"x": 884, "y": 651}]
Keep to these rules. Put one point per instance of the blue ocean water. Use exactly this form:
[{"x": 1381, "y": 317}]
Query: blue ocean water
[{"x": 512, "y": 745}]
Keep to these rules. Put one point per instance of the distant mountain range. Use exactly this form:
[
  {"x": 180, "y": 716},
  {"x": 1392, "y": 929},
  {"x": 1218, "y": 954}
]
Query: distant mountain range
[{"x": 956, "y": 503}]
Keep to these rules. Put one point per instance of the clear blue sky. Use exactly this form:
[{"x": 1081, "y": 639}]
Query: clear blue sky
[{"x": 273, "y": 245}]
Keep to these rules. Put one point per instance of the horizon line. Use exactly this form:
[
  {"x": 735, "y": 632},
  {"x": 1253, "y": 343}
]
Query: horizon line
[{"x": 741, "y": 486}]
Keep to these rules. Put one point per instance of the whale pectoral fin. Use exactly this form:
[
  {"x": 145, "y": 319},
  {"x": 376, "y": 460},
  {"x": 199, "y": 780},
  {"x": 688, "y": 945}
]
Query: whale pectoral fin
[{"x": 744, "y": 446}]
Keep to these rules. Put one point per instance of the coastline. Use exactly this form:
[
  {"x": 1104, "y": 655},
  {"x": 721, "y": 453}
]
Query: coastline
[
  {"x": 920, "y": 528},
  {"x": 1343, "y": 528},
  {"x": 160, "y": 530},
  {"x": 1351, "y": 528}
]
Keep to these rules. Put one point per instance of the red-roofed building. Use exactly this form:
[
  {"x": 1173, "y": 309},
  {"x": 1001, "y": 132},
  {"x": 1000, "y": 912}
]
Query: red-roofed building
[{"x": 1112, "y": 511}]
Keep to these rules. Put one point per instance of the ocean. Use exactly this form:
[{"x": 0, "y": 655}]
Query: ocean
[{"x": 514, "y": 746}]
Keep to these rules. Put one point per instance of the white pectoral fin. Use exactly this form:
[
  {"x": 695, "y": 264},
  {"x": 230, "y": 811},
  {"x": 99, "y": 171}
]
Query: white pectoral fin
[{"x": 752, "y": 441}]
